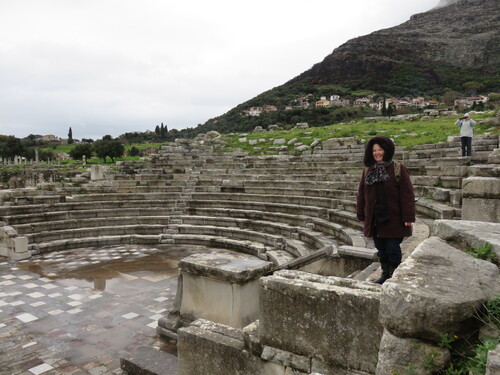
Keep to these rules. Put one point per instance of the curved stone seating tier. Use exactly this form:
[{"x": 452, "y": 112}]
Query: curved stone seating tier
[
  {"x": 102, "y": 231},
  {"x": 293, "y": 209},
  {"x": 258, "y": 249},
  {"x": 234, "y": 233},
  {"x": 318, "y": 193},
  {"x": 85, "y": 214},
  {"x": 149, "y": 189},
  {"x": 327, "y": 226},
  {"x": 267, "y": 181},
  {"x": 85, "y": 242},
  {"x": 83, "y": 206},
  {"x": 271, "y": 227},
  {"x": 437, "y": 210},
  {"x": 133, "y": 196},
  {"x": 248, "y": 247},
  {"x": 297, "y": 200},
  {"x": 281, "y": 173},
  {"x": 96, "y": 222},
  {"x": 295, "y": 240}
]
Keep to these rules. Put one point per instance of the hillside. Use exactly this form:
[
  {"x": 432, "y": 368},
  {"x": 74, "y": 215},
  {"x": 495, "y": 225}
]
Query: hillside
[
  {"x": 442, "y": 48},
  {"x": 433, "y": 53}
]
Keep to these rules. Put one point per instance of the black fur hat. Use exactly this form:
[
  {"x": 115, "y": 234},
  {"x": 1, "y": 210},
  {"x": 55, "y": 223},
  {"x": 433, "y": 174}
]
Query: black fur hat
[{"x": 385, "y": 143}]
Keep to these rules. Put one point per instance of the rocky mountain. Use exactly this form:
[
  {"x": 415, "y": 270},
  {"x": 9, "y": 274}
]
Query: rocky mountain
[
  {"x": 458, "y": 40},
  {"x": 453, "y": 48}
]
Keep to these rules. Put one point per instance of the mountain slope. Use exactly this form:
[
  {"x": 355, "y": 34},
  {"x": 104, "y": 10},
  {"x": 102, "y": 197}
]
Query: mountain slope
[
  {"x": 462, "y": 37},
  {"x": 436, "y": 51}
]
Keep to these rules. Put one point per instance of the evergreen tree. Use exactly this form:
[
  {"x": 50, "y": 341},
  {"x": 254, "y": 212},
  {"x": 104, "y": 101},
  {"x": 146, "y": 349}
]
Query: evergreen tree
[
  {"x": 384, "y": 109},
  {"x": 157, "y": 130},
  {"x": 70, "y": 136},
  {"x": 390, "y": 110},
  {"x": 162, "y": 131}
]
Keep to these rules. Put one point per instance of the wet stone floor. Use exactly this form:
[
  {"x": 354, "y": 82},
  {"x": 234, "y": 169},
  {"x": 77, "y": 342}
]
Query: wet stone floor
[{"x": 80, "y": 311}]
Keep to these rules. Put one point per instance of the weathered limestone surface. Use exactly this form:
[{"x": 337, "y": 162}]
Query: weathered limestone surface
[
  {"x": 218, "y": 349},
  {"x": 12, "y": 245},
  {"x": 469, "y": 234},
  {"x": 493, "y": 364},
  {"x": 222, "y": 287},
  {"x": 436, "y": 291},
  {"x": 398, "y": 355},
  {"x": 481, "y": 199},
  {"x": 320, "y": 317}
]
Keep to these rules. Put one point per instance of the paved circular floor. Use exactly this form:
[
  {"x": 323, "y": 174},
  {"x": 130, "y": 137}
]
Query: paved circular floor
[{"x": 80, "y": 311}]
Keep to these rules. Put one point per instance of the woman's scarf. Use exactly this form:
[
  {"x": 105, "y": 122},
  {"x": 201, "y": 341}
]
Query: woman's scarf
[{"x": 378, "y": 173}]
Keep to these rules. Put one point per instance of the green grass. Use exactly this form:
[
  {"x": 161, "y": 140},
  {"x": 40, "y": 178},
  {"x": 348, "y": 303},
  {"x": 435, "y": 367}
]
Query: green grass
[{"x": 404, "y": 133}]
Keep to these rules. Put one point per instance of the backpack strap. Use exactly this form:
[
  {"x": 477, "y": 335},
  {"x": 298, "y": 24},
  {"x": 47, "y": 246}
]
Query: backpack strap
[{"x": 397, "y": 170}]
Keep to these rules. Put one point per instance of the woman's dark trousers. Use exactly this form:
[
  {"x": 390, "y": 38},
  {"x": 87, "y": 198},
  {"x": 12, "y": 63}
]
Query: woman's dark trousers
[
  {"x": 389, "y": 252},
  {"x": 466, "y": 146}
]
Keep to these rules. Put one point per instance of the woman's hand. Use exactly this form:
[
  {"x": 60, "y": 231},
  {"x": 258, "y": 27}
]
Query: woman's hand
[{"x": 407, "y": 224}]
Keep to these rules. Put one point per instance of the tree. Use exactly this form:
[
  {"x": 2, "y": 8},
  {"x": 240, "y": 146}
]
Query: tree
[
  {"x": 390, "y": 110},
  {"x": 384, "y": 109},
  {"x": 157, "y": 130},
  {"x": 134, "y": 151},
  {"x": 11, "y": 146},
  {"x": 79, "y": 150},
  {"x": 450, "y": 96},
  {"x": 163, "y": 131},
  {"x": 70, "y": 136},
  {"x": 473, "y": 87},
  {"x": 108, "y": 148}
]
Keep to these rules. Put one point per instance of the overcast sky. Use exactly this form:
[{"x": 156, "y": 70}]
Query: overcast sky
[{"x": 115, "y": 66}]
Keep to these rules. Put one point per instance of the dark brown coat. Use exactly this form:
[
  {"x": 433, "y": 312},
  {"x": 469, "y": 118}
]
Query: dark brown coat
[{"x": 400, "y": 201}]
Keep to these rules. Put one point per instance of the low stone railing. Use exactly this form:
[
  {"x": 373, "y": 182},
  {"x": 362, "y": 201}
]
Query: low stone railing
[
  {"x": 328, "y": 325},
  {"x": 12, "y": 245}
]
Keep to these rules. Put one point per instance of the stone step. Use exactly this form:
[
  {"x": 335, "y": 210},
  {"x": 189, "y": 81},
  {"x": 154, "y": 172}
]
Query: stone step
[
  {"x": 56, "y": 235},
  {"x": 74, "y": 243},
  {"x": 436, "y": 210},
  {"x": 149, "y": 361},
  {"x": 248, "y": 247},
  {"x": 233, "y": 233},
  {"x": 86, "y": 214}
]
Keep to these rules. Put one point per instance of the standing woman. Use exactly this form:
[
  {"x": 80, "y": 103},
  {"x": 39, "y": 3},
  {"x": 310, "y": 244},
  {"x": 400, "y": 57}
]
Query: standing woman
[
  {"x": 385, "y": 203},
  {"x": 466, "y": 133}
]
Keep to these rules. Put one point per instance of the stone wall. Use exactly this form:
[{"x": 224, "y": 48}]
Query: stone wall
[{"x": 311, "y": 324}]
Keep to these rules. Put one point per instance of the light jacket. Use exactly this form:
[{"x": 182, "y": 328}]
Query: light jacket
[
  {"x": 399, "y": 199},
  {"x": 466, "y": 127}
]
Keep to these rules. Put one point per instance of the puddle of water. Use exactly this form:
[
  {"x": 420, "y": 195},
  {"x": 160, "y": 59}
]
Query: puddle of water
[{"x": 77, "y": 270}]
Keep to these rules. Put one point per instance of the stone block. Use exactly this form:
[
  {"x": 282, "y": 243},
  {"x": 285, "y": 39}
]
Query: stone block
[
  {"x": 20, "y": 244},
  {"x": 218, "y": 349},
  {"x": 436, "y": 291},
  {"x": 481, "y": 187},
  {"x": 485, "y": 170},
  {"x": 485, "y": 210},
  {"x": 96, "y": 172},
  {"x": 251, "y": 338},
  {"x": 149, "y": 361},
  {"x": 344, "y": 315},
  {"x": 399, "y": 355},
  {"x": 469, "y": 234},
  {"x": 442, "y": 195},
  {"x": 286, "y": 359},
  {"x": 222, "y": 287}
]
